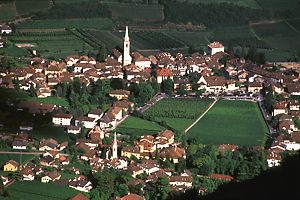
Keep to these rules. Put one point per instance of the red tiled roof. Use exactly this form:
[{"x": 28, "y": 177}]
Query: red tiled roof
[
  {"x": 221, "y": 176},
  {"x": 215, "y": 45},
  {"x": 79, "y": 196},
  {"x": 164, "y": 72}
]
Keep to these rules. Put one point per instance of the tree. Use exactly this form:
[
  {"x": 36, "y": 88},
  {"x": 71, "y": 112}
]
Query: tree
[
  {"x": 134, "y": 89},
  {"x": 76, "y": 85},
  {"x": 146, "y": 92},
  {"x": 104, "y": 182},
  {"x": 102, "y": 53},
  {"x": 155, "y": 86},
  {"x": 167, "y": 86},
  {"x": 117, "y": 83},
  {"x": 181, "y": 165},
  {"x": 162, "y": 188},
  {"x": 122, "y": 189},
  {"x": 59, "y": 91},
  {"x": 181, "y": 90}
]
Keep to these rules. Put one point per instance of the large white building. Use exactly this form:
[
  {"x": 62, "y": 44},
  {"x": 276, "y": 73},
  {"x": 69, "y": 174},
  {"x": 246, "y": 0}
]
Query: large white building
[
  {"x": 126, "y": 49},
  {"x": 62, "y": 119},
  {"x": 215, "y": 47}
]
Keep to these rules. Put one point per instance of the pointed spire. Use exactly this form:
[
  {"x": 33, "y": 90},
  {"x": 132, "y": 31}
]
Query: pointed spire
[
  {"x": 126, "y": 33},
  {"x": 115, "y": 147}
]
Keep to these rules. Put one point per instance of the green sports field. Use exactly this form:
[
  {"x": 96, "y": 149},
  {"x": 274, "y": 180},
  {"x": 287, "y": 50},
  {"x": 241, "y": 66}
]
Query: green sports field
[{"x": 233, "y": 122}]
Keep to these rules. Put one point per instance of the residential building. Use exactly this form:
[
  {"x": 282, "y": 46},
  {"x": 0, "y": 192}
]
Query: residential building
[
  {"x": 11, "y": 166},
  {"x": 62, "y": 119},
  {"x": 215, "y": 47}
]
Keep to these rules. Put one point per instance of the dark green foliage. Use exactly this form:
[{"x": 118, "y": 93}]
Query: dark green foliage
[
  {"x": 90, "y": 9},
  {"x": 167, "y": 86},
  {"x": 117, "y": 83},
  {"x": 102, "y": 53},
  {"x": 211, "y": 15}
]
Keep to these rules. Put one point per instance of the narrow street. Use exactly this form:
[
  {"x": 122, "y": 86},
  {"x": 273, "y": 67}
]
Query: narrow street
[{"x": 152, "y": 101}]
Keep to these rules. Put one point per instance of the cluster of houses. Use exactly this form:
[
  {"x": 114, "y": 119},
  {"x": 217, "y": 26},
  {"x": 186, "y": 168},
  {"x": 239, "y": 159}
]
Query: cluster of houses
[
  {"x": 288, "y": 139},
  {"x": 163, "y": 145},
  {"x": 106, "y": 120},
  {"x": 44, "y": 76}
]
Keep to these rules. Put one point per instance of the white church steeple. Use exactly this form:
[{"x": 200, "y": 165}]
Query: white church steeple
[
  {"x": 126, "y": 49},
  {"x": 115, "y": 147}
]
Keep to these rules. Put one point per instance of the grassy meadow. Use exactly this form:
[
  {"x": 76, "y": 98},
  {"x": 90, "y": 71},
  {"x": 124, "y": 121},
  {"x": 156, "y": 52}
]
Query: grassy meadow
[
  {"x": 35, "y": 190},
  {"x": 137, "y": 126}
]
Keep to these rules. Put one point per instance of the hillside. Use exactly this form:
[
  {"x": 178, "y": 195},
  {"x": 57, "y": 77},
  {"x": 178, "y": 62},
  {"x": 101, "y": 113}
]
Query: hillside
[{"x": 167, "y": 25}]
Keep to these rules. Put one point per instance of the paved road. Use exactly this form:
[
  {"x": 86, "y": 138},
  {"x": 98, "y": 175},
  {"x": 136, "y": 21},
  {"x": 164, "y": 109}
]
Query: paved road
[
  {"x": 152, "y": 101},
  {"x": 188, "y": 128}
]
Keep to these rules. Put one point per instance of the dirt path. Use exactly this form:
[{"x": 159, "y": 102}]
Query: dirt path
[{"x": 188, "y": 128}]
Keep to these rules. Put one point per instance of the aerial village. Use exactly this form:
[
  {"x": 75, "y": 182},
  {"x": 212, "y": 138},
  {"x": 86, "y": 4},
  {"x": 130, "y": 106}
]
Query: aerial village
[{"x": 244, "y": 80}]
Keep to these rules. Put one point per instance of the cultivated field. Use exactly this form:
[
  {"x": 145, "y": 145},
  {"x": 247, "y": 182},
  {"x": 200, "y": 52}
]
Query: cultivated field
[
  {"x": 138, "y": 126},
  {"x": 106, "y": 37},
  {"x": 295, "y": 23},
  {"x": 244, "y": 3},
  {"x": 16, "y": 157},
  {"x": 278, "y": 5},
  {"x": 55, "y": 44},
  {"x": 7, "y": 11},
  {"x": 177, "y": 113},
  {"x": 35, "y": 190},
  {"x": 279, "y": 35},
  {"x": 239, "y": 36},
  {"x": 136, "y": 12},
  {"x": 100, "y": 23},
  {"x": 156, "y": 39},
  {"x": 233, "y": 122},
  {"x": 197, "y": 38},
  {"x": 28, "y": 6}
]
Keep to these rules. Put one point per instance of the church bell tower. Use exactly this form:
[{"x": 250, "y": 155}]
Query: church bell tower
[
  {"x": 115, "y": 148},
  {"x": 126, "y": 49}
]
